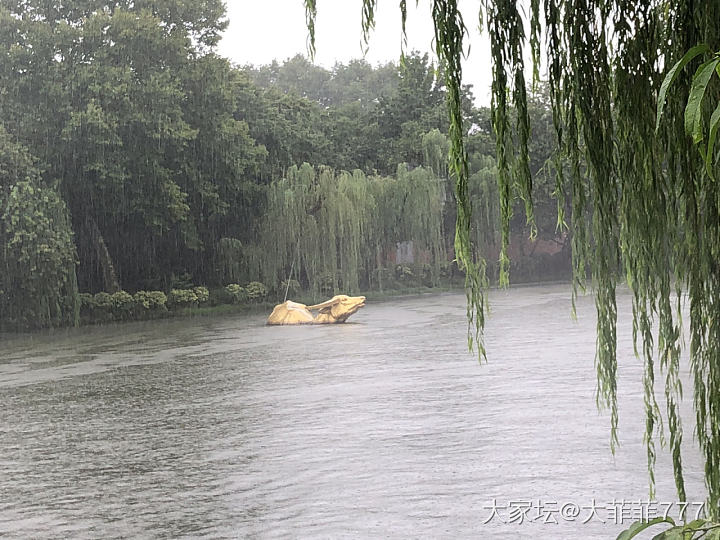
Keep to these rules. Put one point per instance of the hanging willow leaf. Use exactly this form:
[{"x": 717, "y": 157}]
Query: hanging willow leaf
[
  {"x": 674, "y": 533},
  {"x": 673, "y": 74},
  {"x": 310, "y": 16},
  {"x": 449, "y": 33},
  {"x": 368, "y": 21},
  {"x": 403, "y": 22},
  {"x": 535, "y": 39},
  {"x": 714, "y": 124},
  {"x": 693, "y": 111},
  {"x": 639, "y": 526}
]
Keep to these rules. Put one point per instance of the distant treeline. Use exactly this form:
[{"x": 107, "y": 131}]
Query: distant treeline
[{"x": 134, "y": 158}]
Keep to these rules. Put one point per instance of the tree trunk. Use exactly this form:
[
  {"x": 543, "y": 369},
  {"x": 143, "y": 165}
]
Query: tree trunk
[{"x": 107, "y": 268}]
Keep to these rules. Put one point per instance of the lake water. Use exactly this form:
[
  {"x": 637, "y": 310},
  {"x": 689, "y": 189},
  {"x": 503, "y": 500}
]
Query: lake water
[{"x": 221, "y": 427}]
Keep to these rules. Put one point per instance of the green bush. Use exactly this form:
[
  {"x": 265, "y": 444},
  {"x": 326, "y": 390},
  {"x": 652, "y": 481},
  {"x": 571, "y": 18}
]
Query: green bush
[
  {"x": 404, "y": 273},
  {"x": 122, "y": 304},
  {"x": 102, "y": 300},
  {"x": 87, "y": 306},
  {"x": 150, "y": 304},
  {"x": 202, "y": 293},
  {"x": 180, "y": 298},
  {"x": 428, "y": 277},
  {"x": 256, "y": 290},
  {"x": 87, "y": 301},
  {"x": 236, "y": 293},
  {"x": 101, "y": 307}
]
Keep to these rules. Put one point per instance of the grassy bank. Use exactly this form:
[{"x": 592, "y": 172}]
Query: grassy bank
[
  {"x": 254, "y": 298},
  {"x": 267, "y": 306}
]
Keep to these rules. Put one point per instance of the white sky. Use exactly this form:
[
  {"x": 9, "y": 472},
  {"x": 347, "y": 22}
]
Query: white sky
[{"x": 263, "y": 30}]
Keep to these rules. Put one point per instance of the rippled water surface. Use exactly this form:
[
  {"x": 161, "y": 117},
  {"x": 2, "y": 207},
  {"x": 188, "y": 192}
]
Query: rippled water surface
[{"x": 386, "y": 426}]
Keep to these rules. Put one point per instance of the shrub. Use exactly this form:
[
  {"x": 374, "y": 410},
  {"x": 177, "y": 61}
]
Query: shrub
[
  {"x": 428, "y": 277},
  {"x": 202, "y": 293},
  {"x": 256, "y": 290},
  {"x": 404, "y": 273},
  {"x": 236, "y": 293},
  {"x": 150, "y": 303},
  {"x": 179, "y": 298},
  {"x": 100, "y": 310},
  {"x": 122, "y": 304},
  {"x": 87, "y": 301},
  {"x": 87, "y": 306},
  {"x": 102, "y": 300}
]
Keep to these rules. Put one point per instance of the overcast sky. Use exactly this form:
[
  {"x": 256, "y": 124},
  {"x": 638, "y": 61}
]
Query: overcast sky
[{"x": 263, "y": 30}]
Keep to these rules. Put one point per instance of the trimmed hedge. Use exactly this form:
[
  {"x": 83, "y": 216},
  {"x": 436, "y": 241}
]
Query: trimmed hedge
[
  {"x": 180, "y": 298},
  {"x": 256, "y": 290},
  {"x": 122, "y": 306},
  {"x": 236, "y": 294},
  {"x": 150, "y": 304}
]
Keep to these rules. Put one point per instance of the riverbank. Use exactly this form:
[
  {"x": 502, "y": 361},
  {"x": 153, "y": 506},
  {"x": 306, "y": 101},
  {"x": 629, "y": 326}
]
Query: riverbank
[
  {"x": 212, "y": 308},
  {"x": 267, "y": 306}
]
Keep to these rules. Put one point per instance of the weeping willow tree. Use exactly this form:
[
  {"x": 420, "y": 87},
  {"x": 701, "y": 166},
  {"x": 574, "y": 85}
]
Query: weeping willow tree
[
  {"x": 331, "y": 230},
  {"x": 483, "y": 191},
  {"x": 644, "y": 201},
  {"x": 315, "y": 228},
  {"x": 417, "y": 199}
]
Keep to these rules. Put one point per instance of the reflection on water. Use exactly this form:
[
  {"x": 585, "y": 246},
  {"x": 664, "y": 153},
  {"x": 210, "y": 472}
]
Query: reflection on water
[{"x": 385, "y": 426}]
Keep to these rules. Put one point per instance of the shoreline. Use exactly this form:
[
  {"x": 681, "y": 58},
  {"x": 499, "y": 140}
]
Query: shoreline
[{"x": 260, "y": 307}]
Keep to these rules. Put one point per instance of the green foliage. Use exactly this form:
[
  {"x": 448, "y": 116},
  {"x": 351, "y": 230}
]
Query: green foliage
[
  {"x": 236, "y": 293},
  {"x": 694, "y": 108},
  {"x": 229, "y": 255},
  {"x": 404, "y": 273},
  {"x": 137, "y": 120},
  {"x": 644, "y": 202},
  {"x": 202, "y": 294},
  {"x": 103, "y": 300},
  {"x": 182, "y": 298},
  {"x": 182, "y": 281},
  {"x": 97, "y": 308},
  {"x": 122, "y": 304},
  {"x": 674, "y": 72},
  {"x": 87, "y": 301},
  {"x": 332, "y": 230},
  {"x": 38, "y": 256},
  {"x": 150, "y": 304},
  {"x": 694, "y": 530},
  {"x": 449, "y": 32},
  {"x": 351, "y": 117},
  {"x": 640, "y": 526},
  {"x": 256, "y": 291}
]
